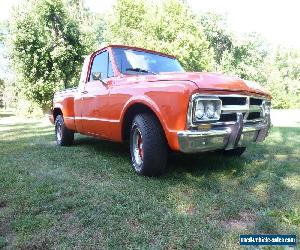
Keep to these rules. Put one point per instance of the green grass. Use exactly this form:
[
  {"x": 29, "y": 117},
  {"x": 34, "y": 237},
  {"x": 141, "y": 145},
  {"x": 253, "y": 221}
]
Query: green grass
[{"x": 87, "y": 195}]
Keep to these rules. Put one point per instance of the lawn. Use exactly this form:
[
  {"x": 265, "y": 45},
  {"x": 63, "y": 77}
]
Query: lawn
[{"x": 87, "y": 195}]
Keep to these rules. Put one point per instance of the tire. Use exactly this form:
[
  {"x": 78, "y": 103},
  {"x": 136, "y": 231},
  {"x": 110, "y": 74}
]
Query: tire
[
  {"x": 148, "y": 146},
  {"x": 64, "y": 136},
  {"x": 234, "y": 152}
]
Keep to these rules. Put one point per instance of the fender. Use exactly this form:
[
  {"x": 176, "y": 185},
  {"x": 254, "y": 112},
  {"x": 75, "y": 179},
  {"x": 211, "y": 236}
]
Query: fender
[
  {"x": 51, "y": 116},
  {"x": 59, "y": 106},
  {"x": 148, "y": 102}
]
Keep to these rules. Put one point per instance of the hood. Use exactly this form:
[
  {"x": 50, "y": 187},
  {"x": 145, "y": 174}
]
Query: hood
[{"x": 207, "y": 82}]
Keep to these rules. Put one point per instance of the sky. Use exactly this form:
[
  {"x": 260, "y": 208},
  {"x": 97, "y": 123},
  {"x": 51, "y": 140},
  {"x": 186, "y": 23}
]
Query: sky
[{"x": 276, "y": 20}]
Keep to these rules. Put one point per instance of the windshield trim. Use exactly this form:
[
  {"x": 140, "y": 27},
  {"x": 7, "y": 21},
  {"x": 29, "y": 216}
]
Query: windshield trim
[
  {"x": 139, "y": 50},
  {"x": 142, "y": 50}
]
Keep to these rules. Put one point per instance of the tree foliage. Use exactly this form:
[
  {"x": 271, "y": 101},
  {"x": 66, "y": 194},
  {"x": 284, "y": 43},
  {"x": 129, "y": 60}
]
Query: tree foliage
[
  {"x": 3, "y": 52},
  {"x": 88, "y": 23},
  {"x": 3, "y": 31},
  {"x": 246, "y": 58},
  {"x": 1, "y": 92},
  {"x": 215, "y": 29},
  {"x": 168, "y": 26},
  {"x": 287, "y": 64},
  {"x": 251, "y": 58},
  {"x": 46, "y": 49},
  {"x": 47, "y": 41}
]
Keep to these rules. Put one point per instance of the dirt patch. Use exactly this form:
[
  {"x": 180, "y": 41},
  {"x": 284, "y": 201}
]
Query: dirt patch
[
  {"x": 72, "y": 227},
  {"x": 98, "y": 237},
  {"x": 5, "y": 221},
  {"x": 3, "y": 204},
  {"x": 37, "y": 245},
  {"x": 243, "y": 222},
  {"x": 192, "y": 210},
  {"x": 6, "y": 231},
  {"x": 133, "y": 224}
]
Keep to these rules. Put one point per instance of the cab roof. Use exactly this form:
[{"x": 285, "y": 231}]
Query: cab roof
[{"x": 134, "y": 48}]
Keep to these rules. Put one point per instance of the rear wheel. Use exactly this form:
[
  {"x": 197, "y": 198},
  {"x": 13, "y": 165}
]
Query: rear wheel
[
  {"x": 234, "y": 152},
  {"x": 64, "y": 136},
  {"x": 148, "y": 145}
]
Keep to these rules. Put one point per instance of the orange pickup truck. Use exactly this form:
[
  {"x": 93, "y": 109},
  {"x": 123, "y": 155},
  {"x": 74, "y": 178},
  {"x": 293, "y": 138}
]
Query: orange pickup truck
[{"x": 145, "y": 97}]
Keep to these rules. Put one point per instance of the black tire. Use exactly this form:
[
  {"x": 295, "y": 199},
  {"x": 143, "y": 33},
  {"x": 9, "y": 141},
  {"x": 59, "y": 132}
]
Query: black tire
[
  {"x": 234, "y": 152},
  {"x": 64, "y": 136},
  {"x": 149, "y": 157}
]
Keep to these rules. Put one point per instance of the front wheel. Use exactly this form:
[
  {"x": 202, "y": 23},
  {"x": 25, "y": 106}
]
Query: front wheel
[
  {"x": 148, "y": 146},
  {"x": 64, "y": 136}
]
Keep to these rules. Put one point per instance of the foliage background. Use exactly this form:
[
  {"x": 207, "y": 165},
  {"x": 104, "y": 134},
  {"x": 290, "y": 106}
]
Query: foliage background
[{"x": 47, "y": 41}]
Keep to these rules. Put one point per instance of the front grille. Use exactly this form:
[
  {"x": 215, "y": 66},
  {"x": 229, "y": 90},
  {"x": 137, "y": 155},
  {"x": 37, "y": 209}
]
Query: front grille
[
  {"x": 233, "y": 116},
  {"x": 250, "y": 107},
  {"x": 228, "y": 100},
  {"x": 254, "y": 116},
  {"x": 255, "y": 101},
  {"x": 228, "y": 117}
]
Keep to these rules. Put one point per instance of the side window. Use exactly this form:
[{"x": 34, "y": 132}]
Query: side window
[{"x": 102, "y": 64}]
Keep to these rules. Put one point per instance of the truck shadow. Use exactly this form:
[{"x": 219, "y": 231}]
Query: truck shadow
[
  {"x": 275, "y": 147},
  {"x": 203, "y": 163},
  {"x": 177, "y": 162},
  {"x": 102, "y": 146},
  {"x": 5, "y": 113}
]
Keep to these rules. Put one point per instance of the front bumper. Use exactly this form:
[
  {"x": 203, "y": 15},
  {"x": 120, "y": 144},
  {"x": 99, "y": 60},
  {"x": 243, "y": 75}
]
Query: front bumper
[{"x": 230, "y": 137}]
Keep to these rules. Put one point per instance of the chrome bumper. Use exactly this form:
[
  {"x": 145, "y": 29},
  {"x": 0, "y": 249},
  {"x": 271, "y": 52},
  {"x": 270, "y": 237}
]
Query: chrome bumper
[{"x": 238, "y": 134}]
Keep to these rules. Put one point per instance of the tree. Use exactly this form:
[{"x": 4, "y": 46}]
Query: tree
[
  {"x": 3, "y": 34},
  {"x": 1, "y": 92},
  {"x": 215, "y": 29},
  {"x": 169, "y": 27},
  {"x": 3, "y": 30},
  {"x": 288, "y": 62},
  {"x": 90, "y": 24},
  {"x": 45, "y": 48},
  {"x": 246, "y": 58}
]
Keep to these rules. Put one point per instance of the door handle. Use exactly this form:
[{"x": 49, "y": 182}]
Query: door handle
[{"x": 84, "y": 92}]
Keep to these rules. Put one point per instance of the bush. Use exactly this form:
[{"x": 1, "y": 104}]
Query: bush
[
  {"x": 45, "y": 48},
  {"x": 28, "y": 108}
]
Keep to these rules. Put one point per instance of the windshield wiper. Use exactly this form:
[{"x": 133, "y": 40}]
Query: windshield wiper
[{"x": 141, "y": 70}]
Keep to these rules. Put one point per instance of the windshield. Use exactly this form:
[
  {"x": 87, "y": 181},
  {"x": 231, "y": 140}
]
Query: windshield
[{"x": 134, "y": 62}]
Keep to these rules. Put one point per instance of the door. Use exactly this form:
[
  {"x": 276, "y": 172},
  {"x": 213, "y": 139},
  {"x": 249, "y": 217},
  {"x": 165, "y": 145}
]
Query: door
[
  {"x": 78, "y": 96},
  {"x": 95, "y": 98}
]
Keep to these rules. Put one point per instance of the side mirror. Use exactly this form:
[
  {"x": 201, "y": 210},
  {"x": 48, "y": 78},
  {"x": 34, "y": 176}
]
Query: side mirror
[{"x": 96, "y": 76}]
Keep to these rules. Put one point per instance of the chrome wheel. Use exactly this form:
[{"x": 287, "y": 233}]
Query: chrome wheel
[
  {"x": 138, "y": 151},
  {"x": 58, "y": 132},
  {"x": 148, "y": 148},
  {"x": 64, "y": 136}
]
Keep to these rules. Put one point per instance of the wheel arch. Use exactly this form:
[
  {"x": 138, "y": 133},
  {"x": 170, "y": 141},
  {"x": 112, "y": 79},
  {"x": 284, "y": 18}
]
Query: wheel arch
[
  {"x": 132, "y": 110},
  {"x": 57, "y": 111}
]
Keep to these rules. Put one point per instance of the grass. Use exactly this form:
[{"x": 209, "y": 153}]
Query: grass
[{"x": 87, "y": 195}]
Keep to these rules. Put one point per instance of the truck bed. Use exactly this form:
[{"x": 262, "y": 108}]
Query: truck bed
[
  {"x": 64, "y": 101},
  {"x": 66, "y": 92}
]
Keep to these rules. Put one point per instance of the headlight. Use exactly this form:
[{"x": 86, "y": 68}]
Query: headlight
[
  {"x": 200, "y": 110},
  {"x": 206, "y": 109},
  {"x": 210, "y": 110}
]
